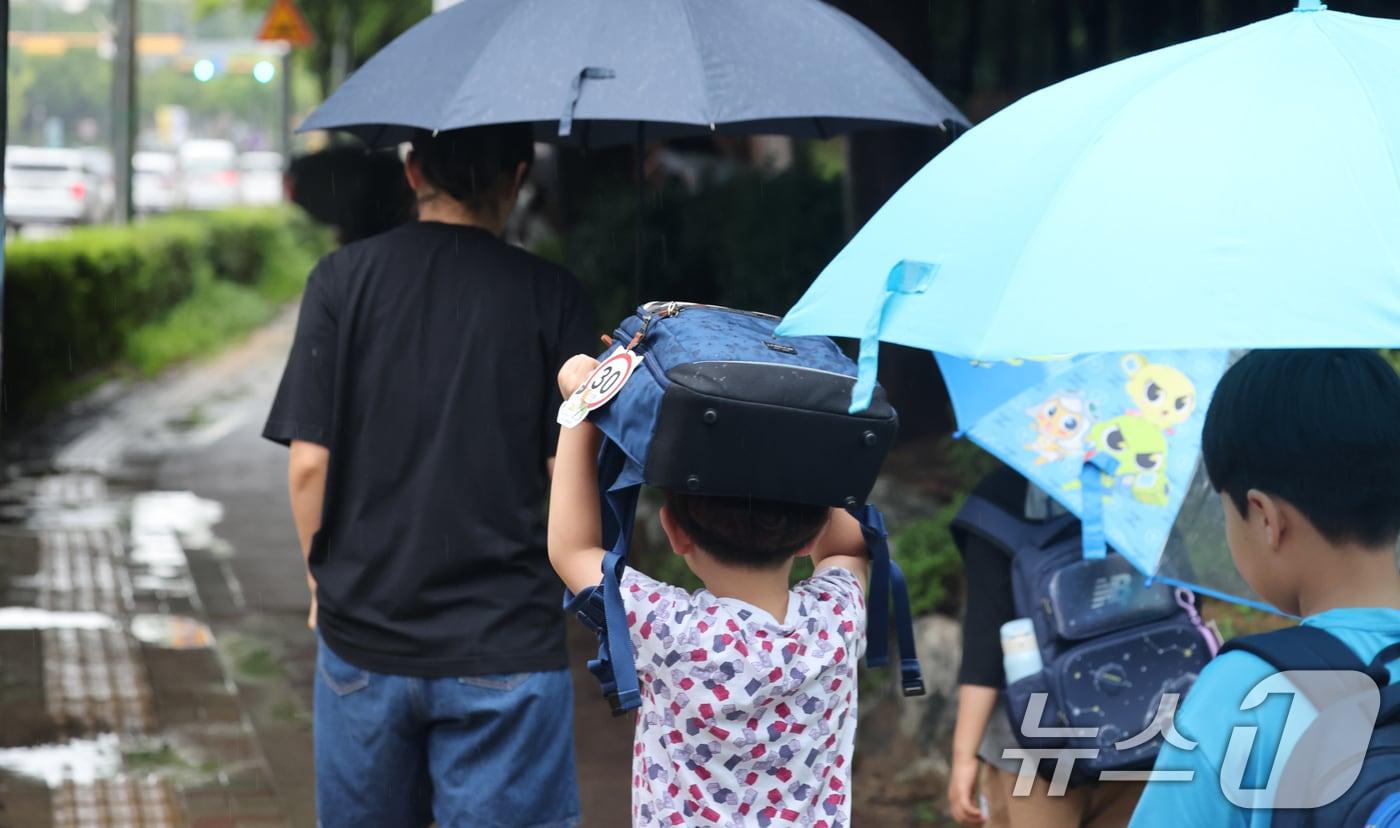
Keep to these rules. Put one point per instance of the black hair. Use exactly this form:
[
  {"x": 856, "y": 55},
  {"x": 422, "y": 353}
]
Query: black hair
[
  {"x": 761, "y": 534},
  {"x": 1317, "y": 428},
  {"x": 470, "y": 164}
]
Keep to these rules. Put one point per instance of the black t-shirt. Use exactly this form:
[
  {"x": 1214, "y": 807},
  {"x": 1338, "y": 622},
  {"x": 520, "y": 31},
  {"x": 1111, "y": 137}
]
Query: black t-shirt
[
  {"x": 987, "y": 570},
  {"x": 425, "y": 360}
]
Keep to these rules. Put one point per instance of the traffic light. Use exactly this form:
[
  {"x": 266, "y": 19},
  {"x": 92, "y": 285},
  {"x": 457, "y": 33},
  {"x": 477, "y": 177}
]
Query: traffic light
[{"x": 204, "y": 70}]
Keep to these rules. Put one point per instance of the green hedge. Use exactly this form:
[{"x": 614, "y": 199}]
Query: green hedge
[{"x": 140, "y": 297}]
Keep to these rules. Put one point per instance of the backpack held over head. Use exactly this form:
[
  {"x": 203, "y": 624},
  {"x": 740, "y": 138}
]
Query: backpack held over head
[
  {"x": 1322, "y": 760},
  {"x": 1113, "y": 647},
  {"x": 721, "y": 406}
]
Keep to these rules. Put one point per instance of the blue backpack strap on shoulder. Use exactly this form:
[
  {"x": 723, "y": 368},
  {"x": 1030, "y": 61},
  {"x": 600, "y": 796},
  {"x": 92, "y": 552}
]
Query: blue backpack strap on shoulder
[
  {"x": 600, "y": 608},
  {"x": 1306, "y": 648},
  {"x": 1004, "y": 530},
  {"x": 887, "y": 584}
]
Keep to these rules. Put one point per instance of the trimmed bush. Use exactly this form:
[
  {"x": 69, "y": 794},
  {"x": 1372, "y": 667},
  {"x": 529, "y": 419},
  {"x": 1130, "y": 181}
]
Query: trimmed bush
[{"x": 74, "y": 305}]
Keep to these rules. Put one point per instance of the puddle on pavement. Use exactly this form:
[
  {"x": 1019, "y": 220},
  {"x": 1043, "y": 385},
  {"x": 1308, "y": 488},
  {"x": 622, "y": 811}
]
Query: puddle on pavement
[
  {"x": 32, "y": 618},
  {"x": 83, "y": 761}
]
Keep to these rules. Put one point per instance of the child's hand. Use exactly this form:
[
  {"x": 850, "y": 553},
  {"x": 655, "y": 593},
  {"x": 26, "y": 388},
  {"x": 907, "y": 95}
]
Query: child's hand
[
  {"x": 574, "y": 372},
  {"x": 962, "y": 791}
]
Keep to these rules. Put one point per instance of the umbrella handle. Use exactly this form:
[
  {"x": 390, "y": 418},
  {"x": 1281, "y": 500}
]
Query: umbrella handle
[{"x": 566, "y": 120}]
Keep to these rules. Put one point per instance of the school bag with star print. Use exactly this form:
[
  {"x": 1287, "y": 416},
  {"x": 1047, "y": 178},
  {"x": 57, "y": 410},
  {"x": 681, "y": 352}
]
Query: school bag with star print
[{"x": 712, "y": 402}]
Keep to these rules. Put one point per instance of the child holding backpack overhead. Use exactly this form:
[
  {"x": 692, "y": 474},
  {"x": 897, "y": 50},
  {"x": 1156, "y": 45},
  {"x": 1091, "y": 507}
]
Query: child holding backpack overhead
[
  {"x": 1304, "y": 448},
  {"x": 748, "y": 687}
]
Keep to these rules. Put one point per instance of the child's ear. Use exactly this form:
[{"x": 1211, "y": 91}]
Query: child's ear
[
  {"x": 1266, "y": 514},
  {"x": 681, "y": 542}
]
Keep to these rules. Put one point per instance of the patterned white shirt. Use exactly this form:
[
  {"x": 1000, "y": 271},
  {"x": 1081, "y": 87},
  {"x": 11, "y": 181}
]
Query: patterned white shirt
[{"x": 745, "y": 721}]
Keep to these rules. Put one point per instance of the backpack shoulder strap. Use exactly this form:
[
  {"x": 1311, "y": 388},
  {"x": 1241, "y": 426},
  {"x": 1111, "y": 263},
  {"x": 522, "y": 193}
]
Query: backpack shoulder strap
[
  {"x": 600, "y": 608},
  {"x": 1009, "y": 533},
  {"x": 887, "y": 586},
  {"x": 1301, "y": 648}
]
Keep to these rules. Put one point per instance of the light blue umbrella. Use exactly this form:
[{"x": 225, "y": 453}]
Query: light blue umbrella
[
  {"x": 1237, "y": 191},
  {"x": 1241, "y": 190}
]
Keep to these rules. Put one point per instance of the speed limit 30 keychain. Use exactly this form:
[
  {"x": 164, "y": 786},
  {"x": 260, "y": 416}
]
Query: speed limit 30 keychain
[{"x": 601, "y": 386}]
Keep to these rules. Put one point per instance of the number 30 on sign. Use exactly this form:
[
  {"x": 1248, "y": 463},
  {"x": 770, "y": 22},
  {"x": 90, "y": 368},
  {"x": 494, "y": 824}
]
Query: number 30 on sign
[{"x": 601, "y": 386}]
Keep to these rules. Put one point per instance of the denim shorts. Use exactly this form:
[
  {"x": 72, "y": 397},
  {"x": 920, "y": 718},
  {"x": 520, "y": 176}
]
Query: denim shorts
[{"x": 492, "y": 751}]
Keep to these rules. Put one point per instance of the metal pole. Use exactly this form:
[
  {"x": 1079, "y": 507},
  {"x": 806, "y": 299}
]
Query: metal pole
[
  {"x": 124, "y": 107},
  {"x": 639, "y": 153},
  {"x": 4, "y": 140},
  {"x": 285, "y": 127}
]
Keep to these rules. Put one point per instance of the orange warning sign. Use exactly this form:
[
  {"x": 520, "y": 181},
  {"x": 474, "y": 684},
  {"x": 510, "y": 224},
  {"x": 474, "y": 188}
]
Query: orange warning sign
[{"x": 284, "y": 21}]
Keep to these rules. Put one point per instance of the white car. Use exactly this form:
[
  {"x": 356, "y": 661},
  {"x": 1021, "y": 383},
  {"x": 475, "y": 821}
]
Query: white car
[
  {"x": 261, "y": 177},
  {"x": 55, "y": 186},
  {"x": 155, "y": 182},
  {"x": 210, "y": 170}
]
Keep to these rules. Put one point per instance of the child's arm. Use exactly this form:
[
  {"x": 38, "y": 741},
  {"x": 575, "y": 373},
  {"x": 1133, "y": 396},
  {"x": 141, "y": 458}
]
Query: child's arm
[
  {"x": 843, "y": 545},
  {"x": 975, "y": 707},
  {"x": 575, "y": 514}
]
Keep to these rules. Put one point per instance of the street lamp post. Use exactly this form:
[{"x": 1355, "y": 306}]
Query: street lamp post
[{"x": 123, "y": 106}]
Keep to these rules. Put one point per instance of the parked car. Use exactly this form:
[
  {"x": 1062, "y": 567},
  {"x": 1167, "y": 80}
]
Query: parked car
[
  {"x": 155, "y": 182},
  {"x": 261, "y": 177},
  {"x": 210, "y": 171},
  {"x": 55, "y": 186}
]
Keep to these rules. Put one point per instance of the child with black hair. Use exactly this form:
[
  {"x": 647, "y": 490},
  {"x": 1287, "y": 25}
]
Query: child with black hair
[
  {"x": 749, "y": 685},
  {"x": 1304, "y": 449}
]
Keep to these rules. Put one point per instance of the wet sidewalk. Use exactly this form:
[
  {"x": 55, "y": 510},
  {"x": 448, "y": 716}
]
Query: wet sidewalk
[{"x": 155, "y": 666}]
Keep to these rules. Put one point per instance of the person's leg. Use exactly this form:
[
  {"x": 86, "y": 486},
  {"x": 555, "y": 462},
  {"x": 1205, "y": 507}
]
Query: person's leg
[
  {"x": 1038, "y": 809},
  {"x": 1111, "y": 804},
  {"x": 501, "y": 751},
  {"x": 371, "y": 757}
]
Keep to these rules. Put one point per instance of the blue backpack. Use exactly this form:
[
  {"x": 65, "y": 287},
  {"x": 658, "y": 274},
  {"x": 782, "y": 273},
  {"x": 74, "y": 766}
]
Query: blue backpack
[
  {"x": 722, "y": 406},
  {"x": 1374, "y": 798},
  {"x": 1111, "y": 644}
]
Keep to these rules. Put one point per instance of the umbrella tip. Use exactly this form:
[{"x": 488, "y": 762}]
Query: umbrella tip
[{"x": 1311, "y": 6}]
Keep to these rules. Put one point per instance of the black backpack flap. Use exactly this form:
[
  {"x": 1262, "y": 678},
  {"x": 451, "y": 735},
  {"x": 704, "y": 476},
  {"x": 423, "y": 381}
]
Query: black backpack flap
[{"x": 776, "y": 432}]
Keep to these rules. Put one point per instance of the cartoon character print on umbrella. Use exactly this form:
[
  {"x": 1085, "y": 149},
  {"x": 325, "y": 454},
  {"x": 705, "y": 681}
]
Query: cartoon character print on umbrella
[
  {"x": 1060, "y": 424},
  {"x": 1140, "y": 448},
  {"x": 1162, "y": 394}
]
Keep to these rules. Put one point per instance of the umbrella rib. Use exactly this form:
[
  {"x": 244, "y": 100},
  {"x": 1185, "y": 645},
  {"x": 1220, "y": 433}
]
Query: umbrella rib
[
  {"x": 515, "y": 8},
  {"x": 700, "y": 57},
  {"x": 1222, "y": 40},
  {"x": 1365, "y": 93}
]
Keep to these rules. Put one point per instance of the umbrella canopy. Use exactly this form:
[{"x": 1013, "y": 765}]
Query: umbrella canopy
[
  {"x": 1116, "y": 438},
  {"x": 1238, "y": 191},
  {"x": 597, "y": 73},
  {"x": 1241, "y": 190}
]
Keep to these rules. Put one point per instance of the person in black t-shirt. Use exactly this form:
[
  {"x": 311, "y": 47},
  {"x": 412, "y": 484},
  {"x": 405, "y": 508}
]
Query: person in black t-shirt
[{"x": 419, "y": 405}]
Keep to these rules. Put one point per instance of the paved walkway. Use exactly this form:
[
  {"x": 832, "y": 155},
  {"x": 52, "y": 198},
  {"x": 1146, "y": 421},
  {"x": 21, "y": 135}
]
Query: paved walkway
[{"x": 155, "y": 667}]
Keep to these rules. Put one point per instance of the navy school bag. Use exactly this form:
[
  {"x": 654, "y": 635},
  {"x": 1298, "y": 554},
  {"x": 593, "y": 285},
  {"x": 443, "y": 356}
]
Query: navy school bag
[
  {"x": 1374, "y": 798},
  {"x": 721, "y": 406},
  {"x": 1112, "y": 645}
]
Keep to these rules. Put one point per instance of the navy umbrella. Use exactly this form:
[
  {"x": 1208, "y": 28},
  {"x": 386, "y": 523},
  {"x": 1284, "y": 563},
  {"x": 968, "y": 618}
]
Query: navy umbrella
[{"x": 600, "y": 72}]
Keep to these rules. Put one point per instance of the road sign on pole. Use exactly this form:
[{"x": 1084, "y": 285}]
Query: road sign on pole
[{"x": 284, "y": 21}]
